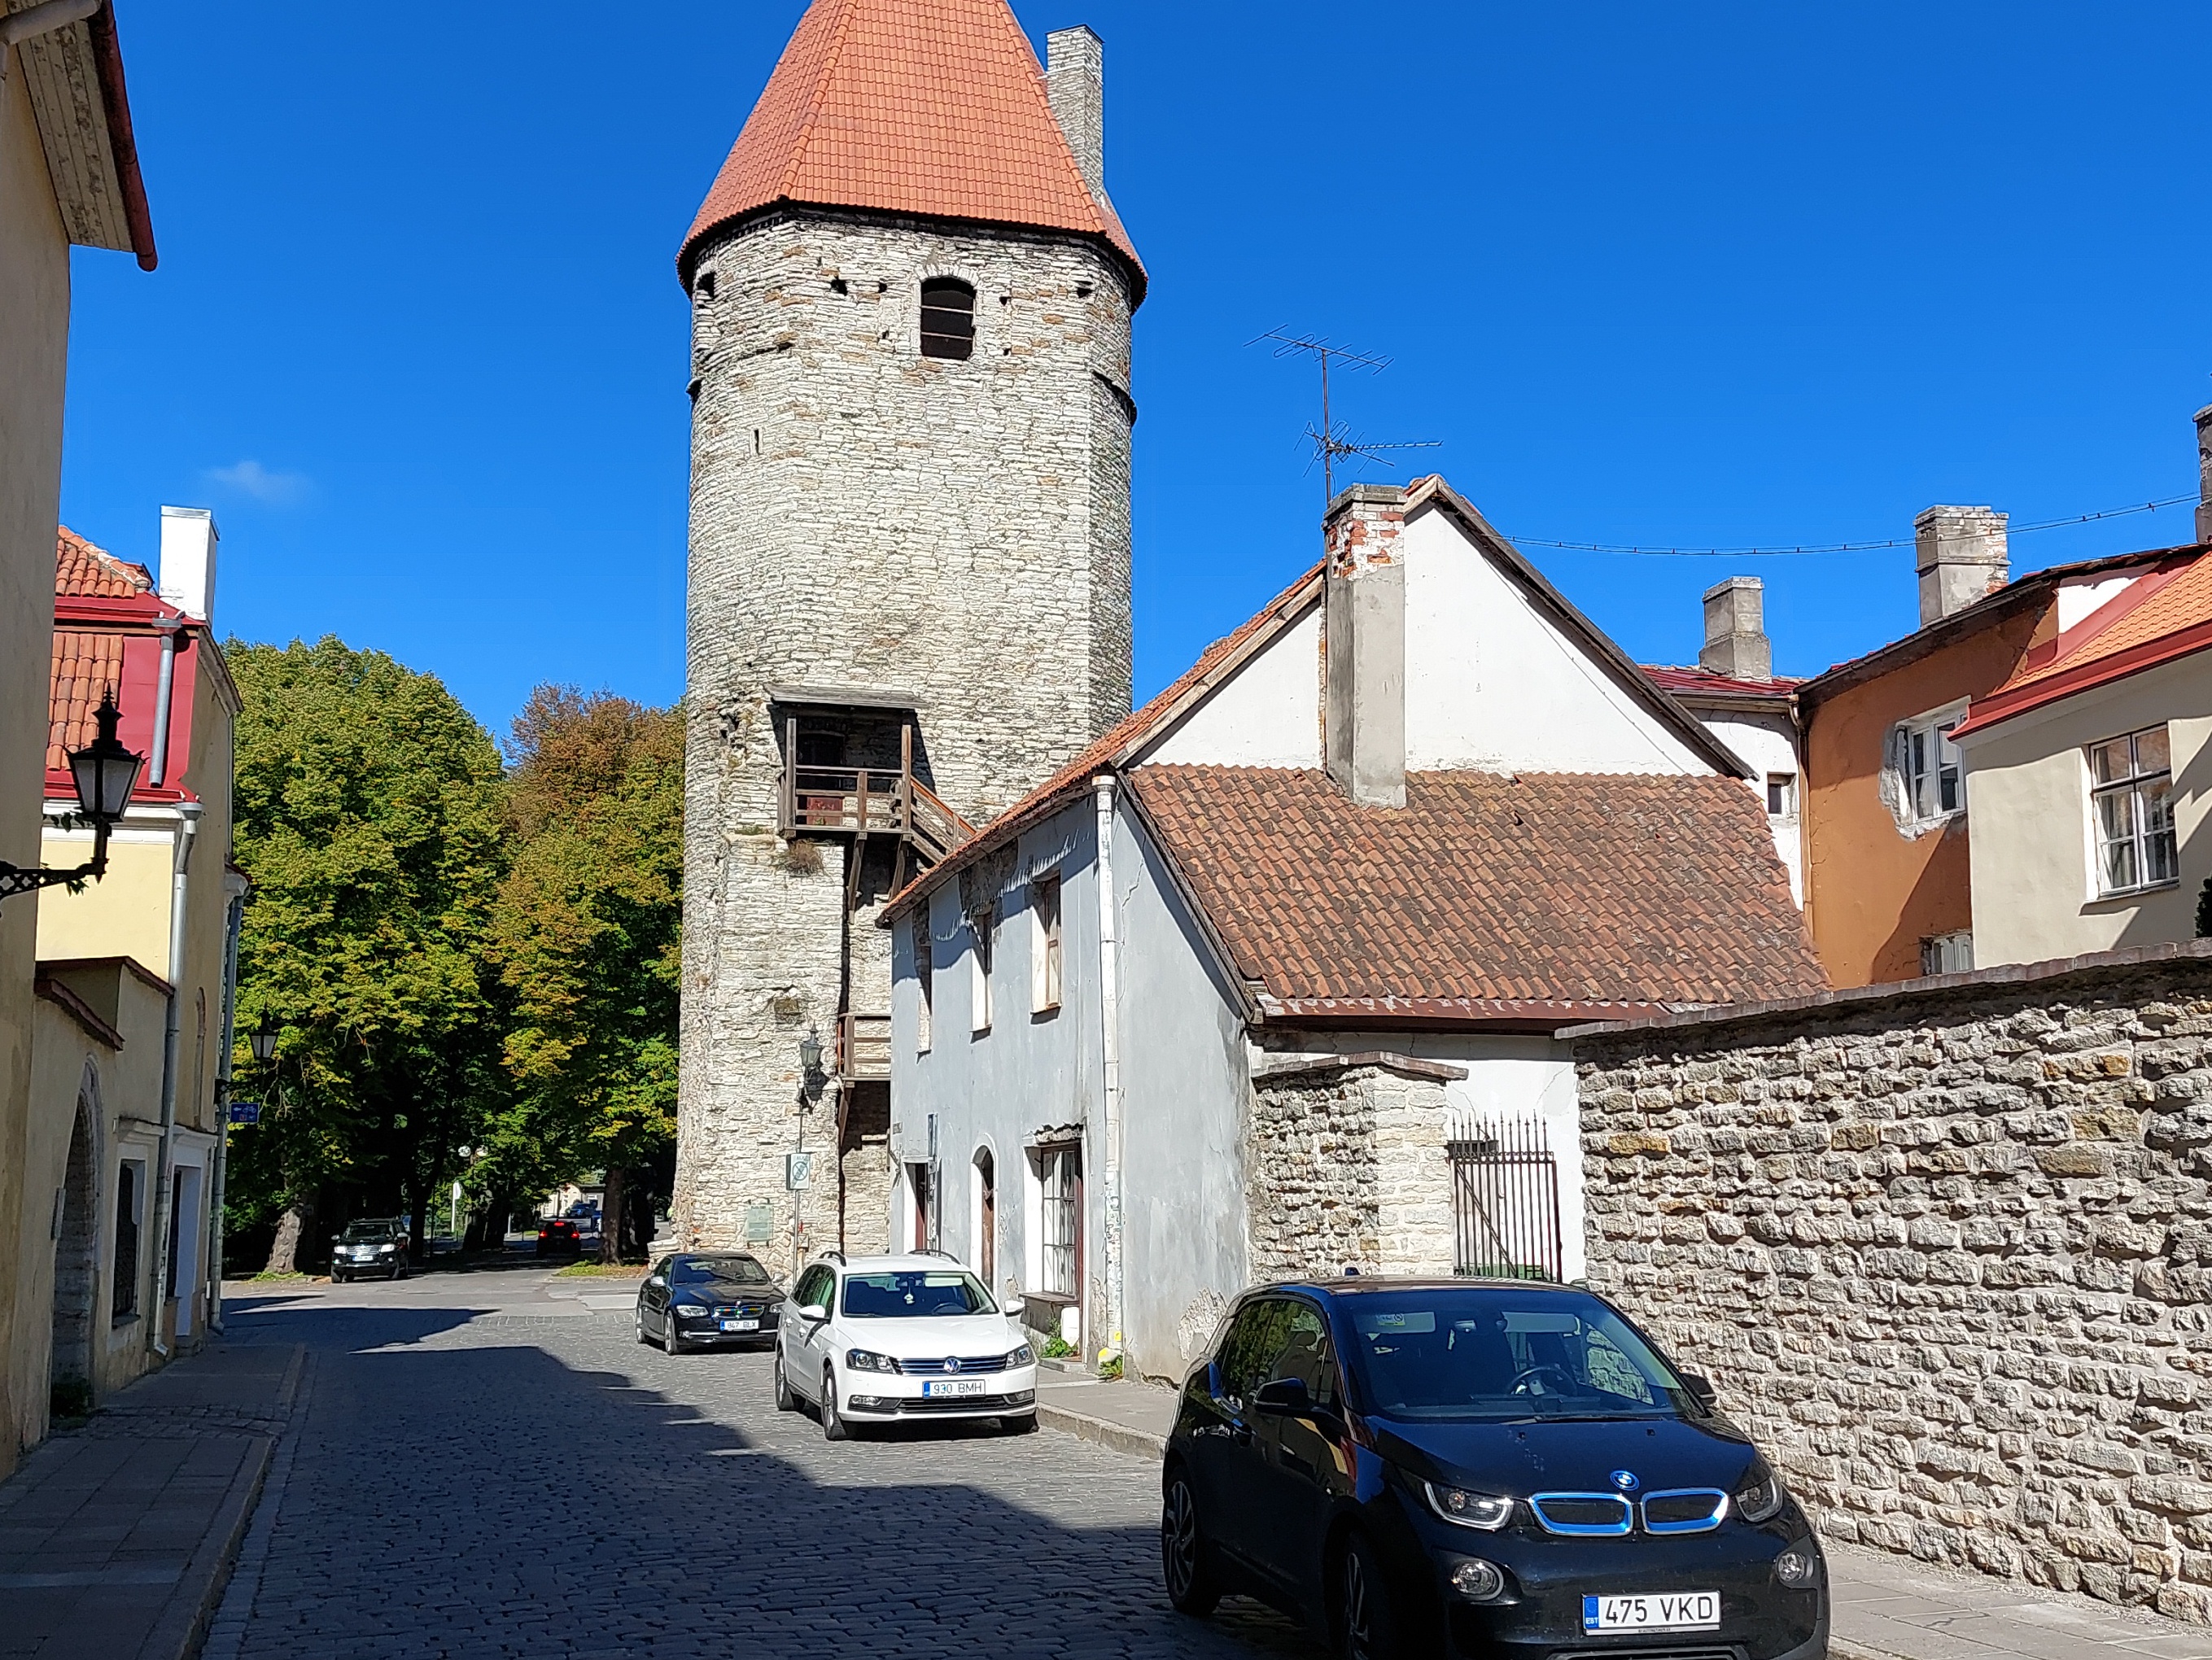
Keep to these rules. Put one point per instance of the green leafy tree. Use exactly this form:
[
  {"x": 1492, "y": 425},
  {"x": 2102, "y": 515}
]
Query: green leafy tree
[
  {"x": 371, "y": 816},
  {"x": 588, "y": 932}
]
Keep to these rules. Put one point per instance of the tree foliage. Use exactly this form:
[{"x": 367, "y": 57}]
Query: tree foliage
[
  {"x": 586, "y": 930},
  {"x": 371, "y": 816}
]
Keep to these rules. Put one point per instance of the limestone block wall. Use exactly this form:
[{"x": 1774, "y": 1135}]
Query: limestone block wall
[
  {"x": 1345, "y": 1167},
  {"x": 1946, "y": 1250},
  {"x": 863, "y": 517}
]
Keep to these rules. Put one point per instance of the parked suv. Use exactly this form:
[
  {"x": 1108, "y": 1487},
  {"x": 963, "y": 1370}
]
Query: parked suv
[
  {"x": 1486, "y": 1466},
  {"x": 883, "y": 1338}
]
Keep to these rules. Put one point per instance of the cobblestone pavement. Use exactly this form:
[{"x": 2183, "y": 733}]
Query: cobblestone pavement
[{"x": 486, "y": 1465}]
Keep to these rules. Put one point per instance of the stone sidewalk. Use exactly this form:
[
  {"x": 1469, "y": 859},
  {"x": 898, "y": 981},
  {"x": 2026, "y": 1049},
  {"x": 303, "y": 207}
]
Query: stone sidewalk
[
  {"x": 1887, "y": 1607},
  {"x": 115, "y": 1538}
]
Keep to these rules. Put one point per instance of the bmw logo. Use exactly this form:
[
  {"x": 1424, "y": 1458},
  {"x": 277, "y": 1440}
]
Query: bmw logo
[
  {"x": 1625, "y": 1481},
  {"x": 953, "y": 1365}
]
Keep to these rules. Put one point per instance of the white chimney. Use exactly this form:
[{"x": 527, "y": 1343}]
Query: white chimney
[
  {"x": 1075, "y": 83},
  {"x": 1363, "y": 644},
  {"x": 1960, "y": 554},
  {"x": 188, "y": 542},
  {"x": 1736, "y": 631}
]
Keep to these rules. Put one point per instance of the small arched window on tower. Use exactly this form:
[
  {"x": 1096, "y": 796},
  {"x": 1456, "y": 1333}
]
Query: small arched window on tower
[{"x": 948, "y": 317}]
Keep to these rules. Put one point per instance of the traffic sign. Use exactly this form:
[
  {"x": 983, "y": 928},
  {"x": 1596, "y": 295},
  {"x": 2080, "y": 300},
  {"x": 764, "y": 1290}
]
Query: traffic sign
[{"x": 245, "y": 1112}]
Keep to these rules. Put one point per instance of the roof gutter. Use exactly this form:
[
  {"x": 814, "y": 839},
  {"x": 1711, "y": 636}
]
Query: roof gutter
[{"x": 107, "y": 58}]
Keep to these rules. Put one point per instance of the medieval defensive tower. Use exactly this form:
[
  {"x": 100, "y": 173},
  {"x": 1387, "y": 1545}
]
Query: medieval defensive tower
[{"x": 909, "y": 561}]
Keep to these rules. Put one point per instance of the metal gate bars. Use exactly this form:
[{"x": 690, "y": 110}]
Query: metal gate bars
[{"x": 1505, "y": 1200}]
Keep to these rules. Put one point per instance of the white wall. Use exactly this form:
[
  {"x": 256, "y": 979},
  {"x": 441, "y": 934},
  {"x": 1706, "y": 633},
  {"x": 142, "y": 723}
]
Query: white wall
[
  {"x": 1491, "y": 686},
  {"x": 2034, "y": 847},
  {"x": 1768, "y": 744},
  {"x": 1268, "y": 714}
]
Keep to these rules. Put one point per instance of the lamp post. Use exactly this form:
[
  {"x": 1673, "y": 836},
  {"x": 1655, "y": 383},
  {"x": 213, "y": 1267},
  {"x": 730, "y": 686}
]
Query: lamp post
[
  {"x": 809, "y": 1069},
  {"x": 106, "y": 774}
]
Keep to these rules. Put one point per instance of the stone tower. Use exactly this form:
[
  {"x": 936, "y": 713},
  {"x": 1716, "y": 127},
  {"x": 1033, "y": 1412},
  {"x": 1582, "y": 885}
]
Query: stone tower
[{"x": 910, "y": 555}]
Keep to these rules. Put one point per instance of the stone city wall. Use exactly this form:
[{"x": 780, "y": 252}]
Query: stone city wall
[
  {"x": 1945, "y": 1250},
  {"x": 1345, "y": 1168}
]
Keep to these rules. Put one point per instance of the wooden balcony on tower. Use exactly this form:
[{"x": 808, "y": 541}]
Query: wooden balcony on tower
[
  {"x": 863, "y": 1047},
  {"x": 821, "y": 799}
]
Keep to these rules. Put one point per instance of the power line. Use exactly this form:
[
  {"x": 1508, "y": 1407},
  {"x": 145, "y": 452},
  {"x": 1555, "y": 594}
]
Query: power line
[{"x": 1835, "y": 547}]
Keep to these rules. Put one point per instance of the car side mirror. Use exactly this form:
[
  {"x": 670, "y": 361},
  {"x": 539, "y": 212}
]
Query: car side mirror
[
  {"x": 813, "y": 1311},
  {"x": 1701, "y": 1390},
  {"x": 1286, "y": 1397},
  {"x": 655, "y": 1280}
]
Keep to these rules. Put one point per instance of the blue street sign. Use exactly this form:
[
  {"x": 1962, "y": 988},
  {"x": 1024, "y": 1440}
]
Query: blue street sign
[{"x": 245, "y": 1112}]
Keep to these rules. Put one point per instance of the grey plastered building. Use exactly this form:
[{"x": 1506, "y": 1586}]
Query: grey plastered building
[{"x": 910, "y": 555}]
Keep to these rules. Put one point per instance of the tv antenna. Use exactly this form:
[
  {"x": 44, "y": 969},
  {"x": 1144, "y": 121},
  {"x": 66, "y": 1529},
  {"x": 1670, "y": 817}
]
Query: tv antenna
[{"x": 1333, "y": 440}]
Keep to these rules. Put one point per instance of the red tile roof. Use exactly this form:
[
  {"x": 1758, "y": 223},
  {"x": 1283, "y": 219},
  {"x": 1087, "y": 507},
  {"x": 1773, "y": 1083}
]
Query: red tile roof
[
  {"x": 86, "y": 666},
  {"x": 1691, "y": 681},
  {"x": 1487, "y": 890},
  {"x": 935, "y": 107},
  {"x": 83, "y": 571},
  {"x": 2165, "y": 613}
]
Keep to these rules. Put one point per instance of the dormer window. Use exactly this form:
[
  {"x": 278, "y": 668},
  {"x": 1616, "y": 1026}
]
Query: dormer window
[{"x": 948, "y": 319}]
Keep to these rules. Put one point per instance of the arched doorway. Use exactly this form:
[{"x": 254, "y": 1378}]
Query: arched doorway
[
  {"x": 76, "y": 1259},
  {"x": 987, "y": 1219}
]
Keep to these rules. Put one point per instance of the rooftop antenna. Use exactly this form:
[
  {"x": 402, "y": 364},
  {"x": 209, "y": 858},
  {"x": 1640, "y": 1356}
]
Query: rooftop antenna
[{"x": 1331, "y": 440}]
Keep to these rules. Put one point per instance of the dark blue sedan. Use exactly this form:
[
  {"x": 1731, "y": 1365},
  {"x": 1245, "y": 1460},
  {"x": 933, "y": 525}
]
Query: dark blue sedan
[{"x": 1480, "y": 1467}]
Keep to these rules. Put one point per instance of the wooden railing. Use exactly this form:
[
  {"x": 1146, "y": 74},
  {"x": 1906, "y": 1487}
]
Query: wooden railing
[
  {"x": 864, "y": 1046},
  {"x": 867, "y": 801},
  {"x": 935, "y": 828}
]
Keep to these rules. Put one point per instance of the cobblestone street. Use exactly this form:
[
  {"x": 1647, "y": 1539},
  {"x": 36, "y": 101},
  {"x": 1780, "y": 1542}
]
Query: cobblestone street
[{"x": 479, "y": 1467}]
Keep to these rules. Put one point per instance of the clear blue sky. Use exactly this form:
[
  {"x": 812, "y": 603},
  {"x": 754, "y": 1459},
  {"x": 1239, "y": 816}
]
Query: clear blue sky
[{"x": 1713, "y": 274}]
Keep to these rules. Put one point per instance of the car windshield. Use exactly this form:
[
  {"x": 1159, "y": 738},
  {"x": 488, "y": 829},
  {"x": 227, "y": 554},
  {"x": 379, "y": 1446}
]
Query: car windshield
[
  {"x": 910, "y": 1292},
  {"x": 1499, "y": 1354},
  {"x": 706, "y": 1270},
  {"x": 361, "y": 1232}
]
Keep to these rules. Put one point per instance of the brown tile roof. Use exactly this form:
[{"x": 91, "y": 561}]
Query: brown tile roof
[
  {"x": 86, "y": 665},
  {"x": 82, "y": 571},
  {"x": 922, "y": 106},
  {"x": 1689, "y": 682},
  {"x": 1487, "y": 889}
]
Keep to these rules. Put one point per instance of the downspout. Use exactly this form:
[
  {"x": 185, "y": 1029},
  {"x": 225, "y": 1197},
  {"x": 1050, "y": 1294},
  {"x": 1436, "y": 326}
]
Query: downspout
[
  {"x": 1109, "y": 1048},
  {"x": 158, "y": 769},
  {"x": 222, "y": 1073},
  {"x": 188, "y": 829}
]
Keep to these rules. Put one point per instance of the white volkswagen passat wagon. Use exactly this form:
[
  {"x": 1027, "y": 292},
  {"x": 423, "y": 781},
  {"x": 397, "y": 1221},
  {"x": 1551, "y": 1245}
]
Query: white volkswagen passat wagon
[{"x": 879, "y": 1338}]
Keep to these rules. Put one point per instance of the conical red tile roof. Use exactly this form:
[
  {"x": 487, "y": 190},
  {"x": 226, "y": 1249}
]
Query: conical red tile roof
[{"x": 935, "y": 107}]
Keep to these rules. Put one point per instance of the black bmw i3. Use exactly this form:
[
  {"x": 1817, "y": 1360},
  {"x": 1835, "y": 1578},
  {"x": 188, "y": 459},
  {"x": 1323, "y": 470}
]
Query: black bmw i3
[{"x": 1480, "y": 1467}]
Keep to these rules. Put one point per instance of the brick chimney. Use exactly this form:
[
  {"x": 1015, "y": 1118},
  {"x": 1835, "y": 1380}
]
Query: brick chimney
[
  {"x": 188, "y": 545},
  {"x": 1960, "y": 554},
  {"x": 2204, "y": 473},
  {"x": 1736, "y": 631},
  {"x": 1075, "y": 83},
  {"x": 1364, "y": 633}
]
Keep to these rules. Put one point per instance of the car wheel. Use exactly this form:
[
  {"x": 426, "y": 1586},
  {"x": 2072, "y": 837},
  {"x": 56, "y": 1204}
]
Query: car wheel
[
  {"x": 338, "y": 1279},
  {"x": 669, "y": 1339},
  {"x": 785, "y": 1400},
  {"x": 1366, "y": 1624},
  {"x": 1183, "y": 1551},
  {"x": 833, "y": 1421},
  {"x": 642, "y": 1337},
  {"x": 1025, "y": 1424}
]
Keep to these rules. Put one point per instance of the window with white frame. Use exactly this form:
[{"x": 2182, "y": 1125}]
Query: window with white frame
[
  {"x": 925, "y": 982},
  {"x": 979, "y": 930},
  {"x": 1061, "y": 1169},
  {"x": 1948, "y": 953},
  {"x": 1781, "y": 795},
  {"x": 2131, "y": 790},
  {"x": 1044, "y": 945},
  {"x": 1929, "y": 781}
]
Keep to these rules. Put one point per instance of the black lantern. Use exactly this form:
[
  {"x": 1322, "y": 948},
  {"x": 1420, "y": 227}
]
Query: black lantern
[
  {"x": 264, "y": 1039},
  {"x": 810, "y": 1055},
  {"x": 106, "y": 774}
]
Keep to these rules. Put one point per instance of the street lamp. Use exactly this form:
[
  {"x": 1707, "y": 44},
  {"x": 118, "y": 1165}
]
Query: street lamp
[
  {"x": 106, "y": 773},
  {"x": 264, "y": 1039},
  {"x": 810, "y": 1056}
]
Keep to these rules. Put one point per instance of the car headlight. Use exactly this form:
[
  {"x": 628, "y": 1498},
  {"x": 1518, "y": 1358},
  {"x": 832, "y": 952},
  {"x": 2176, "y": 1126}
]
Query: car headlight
[
  {"x": 1799, "y": 1567},
  {"x": 1477, "y": 1581},
  {"x": 869, "y": 1360},
  {"x": 1487, "y": 1512},
  {"x": 1024, "y": 1356},
  {"x": 385, "y": 1250},
  {"x": 690, "y": 1312},
  {"x": 1760, "y": 1498}
]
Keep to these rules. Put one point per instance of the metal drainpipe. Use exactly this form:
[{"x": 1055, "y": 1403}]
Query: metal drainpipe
[
  {"x": 188, "y": 813},
  {"x": 1109, "y": 1048},
  {"x": 215, "y": 1240},
  {"x": 158, "y": 770}
]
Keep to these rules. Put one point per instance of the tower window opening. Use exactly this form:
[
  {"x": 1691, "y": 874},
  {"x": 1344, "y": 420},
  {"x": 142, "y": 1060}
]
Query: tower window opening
[
  {"x": 1083, "y": 290},
  {"x": 706, "y": 285},
  {"x": 948, "y": 319},
  {"x": 838, "y": 285}
]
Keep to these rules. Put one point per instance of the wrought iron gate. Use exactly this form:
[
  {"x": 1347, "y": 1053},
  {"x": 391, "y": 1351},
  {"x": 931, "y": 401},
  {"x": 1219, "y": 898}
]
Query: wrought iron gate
[{"x": 1505, "y": 1200}]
